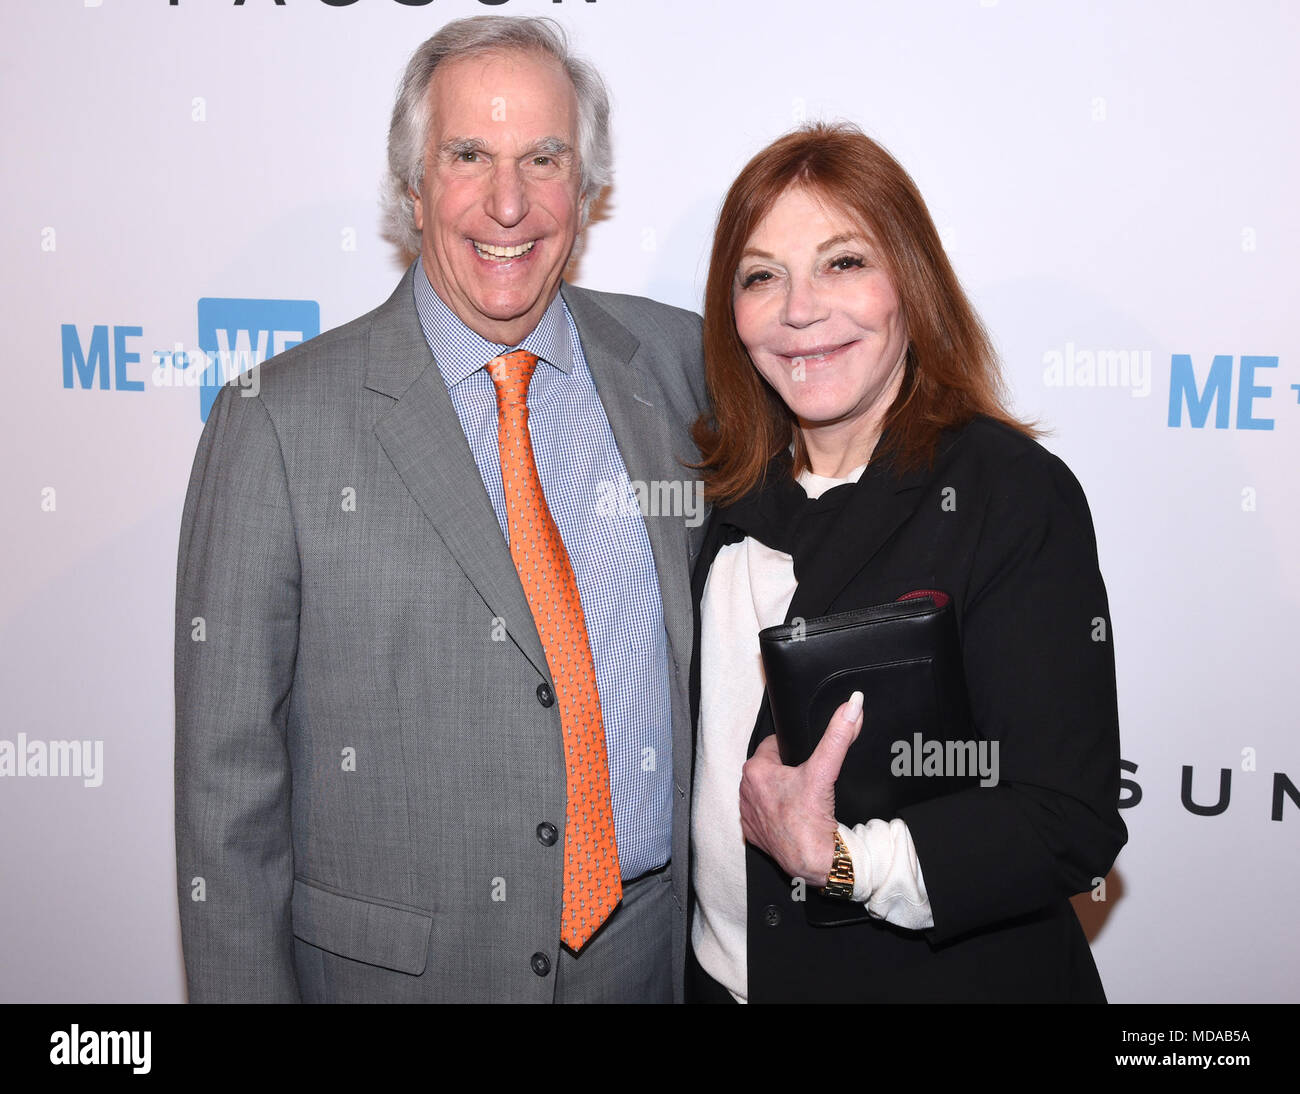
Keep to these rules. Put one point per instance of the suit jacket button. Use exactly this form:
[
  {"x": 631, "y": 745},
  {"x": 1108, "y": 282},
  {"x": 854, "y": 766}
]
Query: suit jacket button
[
  {"x": 541, "y": 964},
  {"x": 772, "y": 915},
  {"x": 547, "y": 834},
  {"x": 545, "y": 695}
]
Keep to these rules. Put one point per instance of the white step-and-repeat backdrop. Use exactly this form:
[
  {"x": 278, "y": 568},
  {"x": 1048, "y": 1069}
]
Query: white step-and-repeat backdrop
[{"x": 1117, "y": 186}]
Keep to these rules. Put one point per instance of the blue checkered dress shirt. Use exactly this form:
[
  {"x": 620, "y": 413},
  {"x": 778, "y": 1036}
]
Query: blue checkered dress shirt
[{"x": 580, "y": 465}]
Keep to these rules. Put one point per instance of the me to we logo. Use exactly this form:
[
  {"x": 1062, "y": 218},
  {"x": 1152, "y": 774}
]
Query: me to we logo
[
  {"x": 1216, "y": 394},
  {"x": 238, "y": 334},
  {"x": 234, "y": 336}
]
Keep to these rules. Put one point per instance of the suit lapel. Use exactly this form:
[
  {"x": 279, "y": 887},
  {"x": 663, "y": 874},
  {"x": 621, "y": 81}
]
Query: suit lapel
[
  {"x": 423, "y": 437},
  {"x": 634, "y": 405}
]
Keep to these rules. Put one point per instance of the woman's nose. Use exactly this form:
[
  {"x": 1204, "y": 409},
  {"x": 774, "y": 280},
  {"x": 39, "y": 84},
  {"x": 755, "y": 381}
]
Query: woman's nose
[{"x": 803, "y": 304}]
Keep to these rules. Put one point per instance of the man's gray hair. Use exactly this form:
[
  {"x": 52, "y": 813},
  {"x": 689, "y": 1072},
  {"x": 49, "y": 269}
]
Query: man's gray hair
[{"x": 408, "y": 134}]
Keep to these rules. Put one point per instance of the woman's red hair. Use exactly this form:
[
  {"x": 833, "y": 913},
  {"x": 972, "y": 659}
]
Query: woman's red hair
[{"x": 951, "y": 372}]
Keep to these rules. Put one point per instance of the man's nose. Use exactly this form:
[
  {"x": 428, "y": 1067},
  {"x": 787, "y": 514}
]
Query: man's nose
[{"x": 507, "y": 201}]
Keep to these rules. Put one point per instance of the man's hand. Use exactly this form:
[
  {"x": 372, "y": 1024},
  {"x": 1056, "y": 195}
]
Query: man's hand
[{"x": 789, "y": 812}]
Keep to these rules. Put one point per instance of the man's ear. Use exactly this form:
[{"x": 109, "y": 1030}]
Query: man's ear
[
  {"x": 417, "y": 207},
  {"x": 585, "y": 202}
]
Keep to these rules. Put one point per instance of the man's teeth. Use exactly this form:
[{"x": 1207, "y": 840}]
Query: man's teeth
[{"x": 491, "y": 250}]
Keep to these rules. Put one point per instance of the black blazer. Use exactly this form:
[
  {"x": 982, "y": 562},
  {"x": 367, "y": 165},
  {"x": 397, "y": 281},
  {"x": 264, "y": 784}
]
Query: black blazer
[{"x": 1003, "y": 527}]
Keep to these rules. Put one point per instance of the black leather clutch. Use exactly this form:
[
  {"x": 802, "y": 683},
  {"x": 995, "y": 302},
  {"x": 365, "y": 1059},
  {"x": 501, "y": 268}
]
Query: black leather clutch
[{"x": 917, "y": 741}]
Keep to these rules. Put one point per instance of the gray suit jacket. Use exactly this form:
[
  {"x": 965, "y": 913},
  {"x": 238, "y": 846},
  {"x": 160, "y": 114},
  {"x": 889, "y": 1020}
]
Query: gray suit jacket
[{"x": 362, "y": 759}]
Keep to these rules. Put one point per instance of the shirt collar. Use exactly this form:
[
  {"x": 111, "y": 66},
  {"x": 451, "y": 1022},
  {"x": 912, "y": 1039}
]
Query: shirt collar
[{"x": 460, "y": 352}]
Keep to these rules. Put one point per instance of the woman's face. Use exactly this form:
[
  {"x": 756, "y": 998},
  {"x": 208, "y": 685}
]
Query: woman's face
[{"x": 820, "y": 318}]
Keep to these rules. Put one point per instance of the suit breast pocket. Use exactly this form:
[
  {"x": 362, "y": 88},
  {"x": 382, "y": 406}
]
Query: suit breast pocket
[{"x": 363, "y": 930}]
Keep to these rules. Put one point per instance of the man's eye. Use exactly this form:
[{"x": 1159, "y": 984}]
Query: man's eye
[
  {"x": 467, "y": 156},
  {"x": 542, "y": 161}
]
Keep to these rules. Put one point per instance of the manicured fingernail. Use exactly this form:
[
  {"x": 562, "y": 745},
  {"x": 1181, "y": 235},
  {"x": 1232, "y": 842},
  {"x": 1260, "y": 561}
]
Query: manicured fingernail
[{"x": 855, "y": 706}]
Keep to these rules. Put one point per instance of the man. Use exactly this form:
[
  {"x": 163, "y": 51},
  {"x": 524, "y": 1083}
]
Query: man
[{"x": 432, "y": 739}]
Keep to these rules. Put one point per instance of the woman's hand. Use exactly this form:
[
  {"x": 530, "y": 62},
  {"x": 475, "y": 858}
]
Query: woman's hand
[{"x": 789, "y": 812}]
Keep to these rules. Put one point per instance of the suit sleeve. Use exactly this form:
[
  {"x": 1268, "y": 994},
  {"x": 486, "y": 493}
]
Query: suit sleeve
[
  {"x": 1040, "y": 670},
  {"x": 237, "y": 598}
]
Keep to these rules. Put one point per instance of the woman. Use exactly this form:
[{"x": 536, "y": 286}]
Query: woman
[{"x": 858, "y": 451}]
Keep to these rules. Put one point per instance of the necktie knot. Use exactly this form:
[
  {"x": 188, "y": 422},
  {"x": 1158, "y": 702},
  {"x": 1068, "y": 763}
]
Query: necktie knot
[{"x": 511, "y": 373}]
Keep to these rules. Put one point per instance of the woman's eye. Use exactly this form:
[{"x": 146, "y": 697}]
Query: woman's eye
[
  {"x": 846, "y": 262},
  {"x": 755, "y": 278}
]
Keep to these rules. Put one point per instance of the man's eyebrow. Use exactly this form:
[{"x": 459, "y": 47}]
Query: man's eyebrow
[
  {"x": 458, "y": 146},
  {"x": 551, "y": 146}
]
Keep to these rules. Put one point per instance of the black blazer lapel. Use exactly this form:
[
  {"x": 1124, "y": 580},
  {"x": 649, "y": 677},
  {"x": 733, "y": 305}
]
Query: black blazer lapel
[
  {"x": 873, "y": 512},
  {"x": 880, "y": 504}
]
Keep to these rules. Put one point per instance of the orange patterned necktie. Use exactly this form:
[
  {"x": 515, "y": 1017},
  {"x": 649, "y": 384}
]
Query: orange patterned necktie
[{"x": 592, "y": 885}]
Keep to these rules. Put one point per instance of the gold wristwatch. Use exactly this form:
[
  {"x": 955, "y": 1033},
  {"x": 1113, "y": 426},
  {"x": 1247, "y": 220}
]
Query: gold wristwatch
[{"x": 839, "y": 882}]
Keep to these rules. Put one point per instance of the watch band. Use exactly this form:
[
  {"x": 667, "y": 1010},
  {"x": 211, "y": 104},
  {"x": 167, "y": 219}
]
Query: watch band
[{"x": 839, "y": 882}]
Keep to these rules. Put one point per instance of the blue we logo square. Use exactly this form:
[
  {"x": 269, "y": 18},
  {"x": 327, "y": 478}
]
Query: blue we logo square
[{"x": 237, "y": 334}]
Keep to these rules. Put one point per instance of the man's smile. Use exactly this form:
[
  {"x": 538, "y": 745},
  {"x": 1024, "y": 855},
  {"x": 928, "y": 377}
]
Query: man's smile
[{"x": 497, "y": 252}]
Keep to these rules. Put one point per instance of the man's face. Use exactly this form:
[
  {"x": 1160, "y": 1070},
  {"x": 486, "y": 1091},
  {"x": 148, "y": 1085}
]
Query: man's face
[{"x": 498, "y": 208}]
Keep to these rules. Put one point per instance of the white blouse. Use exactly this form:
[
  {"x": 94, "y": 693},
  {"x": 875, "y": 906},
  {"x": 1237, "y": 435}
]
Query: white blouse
[{"x": 750, "y": 587}]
